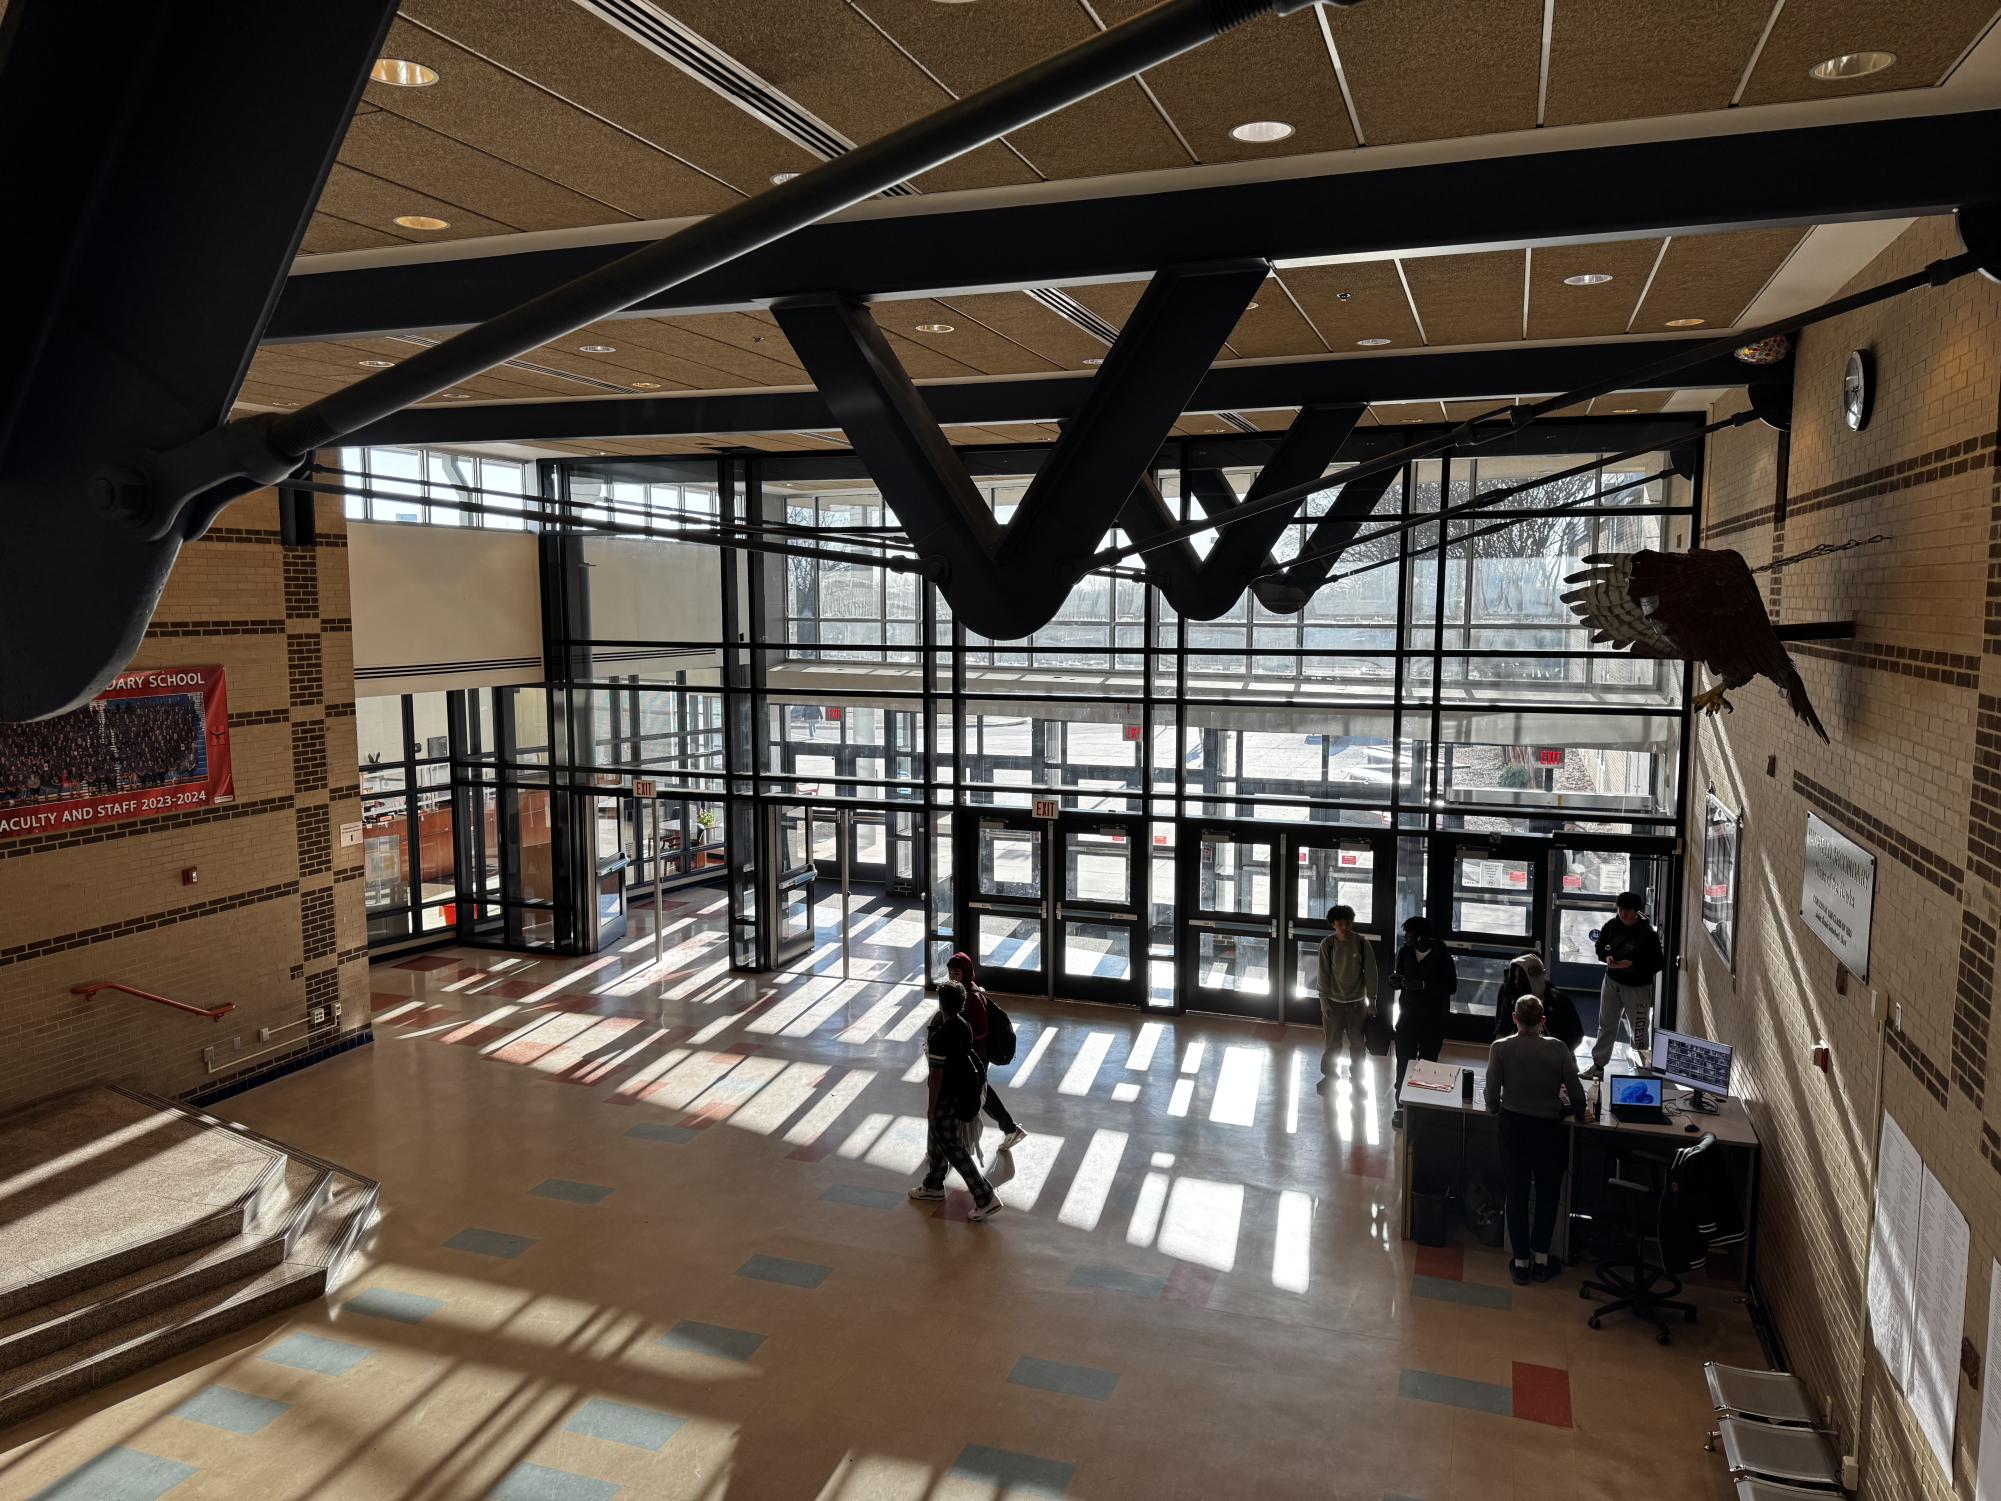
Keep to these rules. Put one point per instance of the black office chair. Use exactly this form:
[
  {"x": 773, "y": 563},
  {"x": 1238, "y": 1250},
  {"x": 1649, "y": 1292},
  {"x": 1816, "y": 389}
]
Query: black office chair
[{"x": 1643, "y": 1288}]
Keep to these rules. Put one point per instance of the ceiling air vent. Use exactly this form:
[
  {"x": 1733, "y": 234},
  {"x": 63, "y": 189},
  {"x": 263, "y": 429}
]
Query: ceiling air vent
[{"x": 677, "y": 43}]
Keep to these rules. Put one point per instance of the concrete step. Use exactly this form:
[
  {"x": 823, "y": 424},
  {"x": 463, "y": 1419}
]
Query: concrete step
[{"x": 287, "y": 1225}]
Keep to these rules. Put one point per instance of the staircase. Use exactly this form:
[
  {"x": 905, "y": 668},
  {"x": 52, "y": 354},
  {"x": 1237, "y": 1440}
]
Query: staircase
[{"x": 132, "y": 1229}]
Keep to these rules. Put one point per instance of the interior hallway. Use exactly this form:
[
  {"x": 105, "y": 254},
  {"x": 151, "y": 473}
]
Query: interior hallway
[{"x": 645, "y": 1235}]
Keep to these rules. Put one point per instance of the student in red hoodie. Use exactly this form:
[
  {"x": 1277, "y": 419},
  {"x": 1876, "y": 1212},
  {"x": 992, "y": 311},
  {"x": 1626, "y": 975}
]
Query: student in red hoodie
[{"x": 960, "y": 968}]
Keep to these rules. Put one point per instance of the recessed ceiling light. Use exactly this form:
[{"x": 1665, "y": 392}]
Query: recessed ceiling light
[
  {"x": 935, "y": 328},
  {"x": 1851, "y": 65},
  {"x": 646, "y": 385},
  {"x": 597, "y": 349},
  {"x": 1686, "y": 322},
  {"x": 1250, "y": 307},
  {"x": 1413, "y": 419},
  {"x": 1624, "y": 411},
  {"x": 1344, "y": 296},
  {"x": 1260, "y": 132},
  {"x": 375, "y": 364},
  {"x": 455, "y": 395},
  {"x": 398, "y": 73},
  {"x": 420, "y": 221},
  {"x": 1372, "y": 343},
  {"x": 1099, "y": 361},
  {"x": 782, "y": 177},
  {"x": 285, "y": 403},
  {"x": 1587, "y": 279}
]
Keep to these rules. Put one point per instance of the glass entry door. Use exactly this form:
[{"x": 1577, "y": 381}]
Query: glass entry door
[
  {"x": 612, "y": 860},
  {"x": 786, "y": 891},
  {"x": 1584, "y": 897},
  {"x": 1335, "y": 867},
  {"x": 1230, "y": 947},
  {"x": 1489, "y": 899},
  {"x": 1005, "y": 908},
  {"x": 1101, "y": 927}
]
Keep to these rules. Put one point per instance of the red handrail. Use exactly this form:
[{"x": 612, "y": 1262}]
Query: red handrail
[{"x": 213, "y": 1013}]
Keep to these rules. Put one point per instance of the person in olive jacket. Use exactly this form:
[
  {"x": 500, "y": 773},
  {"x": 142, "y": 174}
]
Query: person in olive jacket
[{"x": 1425, "y": 980}]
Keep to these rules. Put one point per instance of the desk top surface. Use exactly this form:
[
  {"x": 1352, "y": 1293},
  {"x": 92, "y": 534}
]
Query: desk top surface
[{"x": 1730, "y": 1124}]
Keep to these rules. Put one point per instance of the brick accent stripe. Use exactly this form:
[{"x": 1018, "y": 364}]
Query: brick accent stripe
[
  {"x": 1990, "y": 1146},
  {"x": 337, "y": 625},
  {"x": 1983, "y": 814},
  {"x": 163, "y": 629},
  {"x": 315, "y": 834},
  {"x": 35, "y": 844},
  {"x": 309, "y": 755},
  {"x": 1928, "y": 1073},
  {"x": 1919, "y": 469},
  {"x": 340, "y": 711},
  {"x": 302, "y": 583},
  {"x": 84, "y": 937},
  {"x": 239, "y": 534},
  {"x": 316, "y": 923},
  {"x": 1973, "y": 1007},
  {"x": 1955, "y": 669},
  {"x": 1906, "y": 851},
  {"x": 251, "y": 718},
  {"x": 1762, "y": 516},
  {"x": 302, "y": 663}
]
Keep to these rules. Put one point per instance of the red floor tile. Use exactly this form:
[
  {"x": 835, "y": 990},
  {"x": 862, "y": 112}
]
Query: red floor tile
[
  {"x": 1445, "y": 1262},
  {"x": 1190, "y": 1285},
  {"x": 386, "y": 1000},
  {"x": 1365, "y": 1161},
  {"x": 814, "y": 1151},
  {"x": 429, "y": 961},
  {"x": 1542, "y": 1394}
]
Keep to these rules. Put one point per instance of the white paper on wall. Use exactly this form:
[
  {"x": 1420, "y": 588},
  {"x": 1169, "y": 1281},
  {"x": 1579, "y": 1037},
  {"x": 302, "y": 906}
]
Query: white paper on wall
[
  {"x": 1938, "y": 1318},
  {"x": 1893, "y": 1249},
  {"x": 1987, "y": 1483}
]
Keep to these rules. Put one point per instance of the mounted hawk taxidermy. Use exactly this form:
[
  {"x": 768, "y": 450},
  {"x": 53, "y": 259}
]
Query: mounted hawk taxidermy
[{"x": 1702, "y": 605}]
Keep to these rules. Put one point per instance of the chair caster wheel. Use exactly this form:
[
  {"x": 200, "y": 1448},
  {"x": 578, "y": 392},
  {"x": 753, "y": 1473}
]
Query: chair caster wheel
[
  {"x": 1661, "y": 1338},
  {"x": 1593, "y": 1321}
]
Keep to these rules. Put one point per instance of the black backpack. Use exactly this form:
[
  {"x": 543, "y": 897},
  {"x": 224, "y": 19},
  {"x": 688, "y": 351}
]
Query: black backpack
[{"x": 1000, "y": 1036}]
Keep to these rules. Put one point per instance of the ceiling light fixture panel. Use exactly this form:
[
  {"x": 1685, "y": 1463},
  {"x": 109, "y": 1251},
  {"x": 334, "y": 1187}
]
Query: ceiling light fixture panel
[
  {"x": 1260, "y": 132},
  {"x": 597, "y": 349},
  {"x": 1686, "y": 322},
  {"x": 1372, "y": 343},
  {"x": 937, "y": 328},
  {"x": 400, "y": 73},
  {"x": 1851, "y": 65},
  {"x": 421, "y": 221},
  {"x": 1587, "y": 279}
]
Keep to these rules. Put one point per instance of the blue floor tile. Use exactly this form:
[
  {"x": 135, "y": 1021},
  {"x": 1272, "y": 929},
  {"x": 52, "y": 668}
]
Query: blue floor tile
[
  {"x": 309, "y": 1352},
  {"x": 1454, "y": 1391},
  {"x": 782, "y": 1269},
  {"x": 527, "y": 1482},
  {"x": 619, "y": 1423},
  {"x": 712, "y": 1339},
  {"x": 1118, "y": 1280},
  {"x": 867, "y": 1198},
  {"x": 653, "y": 1131},
  {"x": 225, "y": 1407},
  {"x": 1067, "y": 1380},
  {"x": 1473, "y": 1294},
  {"x": 387, "y": 1303},
  {"x": 571, "y": 1193},
  {"x": 118, "y": 1475},
  {"x": 1021, "y": 1474},
  {"x": 489, "y": 1243}
]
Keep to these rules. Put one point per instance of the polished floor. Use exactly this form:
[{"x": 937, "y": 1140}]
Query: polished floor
[{"x": 645, "y": 1235}]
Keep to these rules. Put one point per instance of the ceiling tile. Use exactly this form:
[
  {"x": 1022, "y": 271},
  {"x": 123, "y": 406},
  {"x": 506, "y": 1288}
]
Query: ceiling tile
[
  {"x": 970, "y": 342},
  {"x": 325, "y": 233},
  {"x": 1399, "y": 413},
  {"x": 1468, "y": 299},
  {"x": 971, "y": 46},
  {"x": 830, "y": 58},
  {"x": 1271, "y": 421},
  {"x": 363, "y": 199},
  {"x": 1424, "y": 70},
  {"x": 753, "y": 332},
  {"x": 1201, "y": 425},
  {"x": 569, "y": 52},
  {"x": 1628, "y": 403},
  {"x": 1113, "y": 301},
  {"x": 1925, "y": 35},
  {"x": 667, "y": 340},
  {"x": 397, "y": 150},
  {"x": 1205, "y": 93},
  {"x": 1713, "y": 277},
  {"x": 928, "y": 356},
  {"x": 1614, "y": 60},
  {"x": 1030, "y": 324},
  {"x": 1273, "y": 326},
  {"x": 1374, "y": 306},
  {"x": 1557, "y": 311}
]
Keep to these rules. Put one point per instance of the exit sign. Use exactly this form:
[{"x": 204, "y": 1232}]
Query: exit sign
[
  {"x": 1548, "y": 757},
  {"x": 1132, "y": 732}
]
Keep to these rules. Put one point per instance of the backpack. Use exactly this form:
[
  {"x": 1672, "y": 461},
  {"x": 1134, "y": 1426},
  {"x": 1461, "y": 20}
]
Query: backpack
[{"x": 1000, "y": 1036}]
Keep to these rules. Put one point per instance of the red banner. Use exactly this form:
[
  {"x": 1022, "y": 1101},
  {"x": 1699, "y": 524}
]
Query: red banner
[{"x": 155, "y": 741}]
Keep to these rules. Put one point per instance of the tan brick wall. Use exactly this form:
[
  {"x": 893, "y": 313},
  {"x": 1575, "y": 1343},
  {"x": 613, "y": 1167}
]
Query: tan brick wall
[
  {"x": 1905, "y": 778},
  {"x": 269, "y": 864}
]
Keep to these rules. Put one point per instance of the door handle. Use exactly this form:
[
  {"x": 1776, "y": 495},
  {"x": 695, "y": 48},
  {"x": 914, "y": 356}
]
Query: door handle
[{"x": 1102, "y": 916}]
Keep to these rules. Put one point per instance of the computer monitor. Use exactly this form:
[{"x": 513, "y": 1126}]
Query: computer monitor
[{"x": 1693, "y": 1062}]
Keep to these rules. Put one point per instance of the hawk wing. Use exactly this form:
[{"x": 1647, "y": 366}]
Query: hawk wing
[{"x": 1618, "y": 614}]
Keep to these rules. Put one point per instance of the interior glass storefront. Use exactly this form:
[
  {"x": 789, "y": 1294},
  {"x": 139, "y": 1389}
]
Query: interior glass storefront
[{"x": 1128, "y": 806}]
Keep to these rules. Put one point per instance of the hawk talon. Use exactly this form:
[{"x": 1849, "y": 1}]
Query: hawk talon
[{"x": 1710, "y": 700}]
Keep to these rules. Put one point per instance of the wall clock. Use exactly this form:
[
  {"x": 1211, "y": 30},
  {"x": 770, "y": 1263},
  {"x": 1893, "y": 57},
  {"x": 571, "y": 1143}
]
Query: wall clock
[{"x": 1856, "y": 383}]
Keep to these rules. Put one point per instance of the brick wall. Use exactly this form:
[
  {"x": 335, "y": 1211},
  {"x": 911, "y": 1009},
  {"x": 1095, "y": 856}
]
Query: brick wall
[
  {"x": 274, "y": 922},
  {"x": 1912, "y": 775}
]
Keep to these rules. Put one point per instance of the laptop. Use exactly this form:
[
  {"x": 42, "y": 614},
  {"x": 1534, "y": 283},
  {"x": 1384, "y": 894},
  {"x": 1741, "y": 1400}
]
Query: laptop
[{"x": 1635, "y": 1100}]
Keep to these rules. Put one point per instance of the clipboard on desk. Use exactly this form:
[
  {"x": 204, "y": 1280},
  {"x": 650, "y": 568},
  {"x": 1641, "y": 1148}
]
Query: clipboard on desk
[{"x": 1434, "y": 1078}]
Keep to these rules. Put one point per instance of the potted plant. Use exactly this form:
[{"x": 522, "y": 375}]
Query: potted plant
[{"x": 704, "y": 822}]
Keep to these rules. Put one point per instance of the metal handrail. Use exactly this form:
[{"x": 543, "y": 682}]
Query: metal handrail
[{"x": 213, "y": 1013}]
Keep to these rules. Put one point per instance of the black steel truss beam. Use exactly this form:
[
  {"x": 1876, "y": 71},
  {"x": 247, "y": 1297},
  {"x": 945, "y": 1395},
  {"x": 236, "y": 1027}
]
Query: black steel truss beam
[
  {"x": 1878, "y": 169},
  {"x": 1007, "y": 581},
  {"x": 1448, "y": 375}
]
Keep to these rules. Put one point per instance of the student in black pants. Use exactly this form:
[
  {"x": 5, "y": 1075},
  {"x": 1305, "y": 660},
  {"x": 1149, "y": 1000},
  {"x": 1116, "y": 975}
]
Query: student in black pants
[
  {"x": 1531, "y": 1081},
  {"x": 960, "y": 968},
  {"x": 1425, "y": 980}
]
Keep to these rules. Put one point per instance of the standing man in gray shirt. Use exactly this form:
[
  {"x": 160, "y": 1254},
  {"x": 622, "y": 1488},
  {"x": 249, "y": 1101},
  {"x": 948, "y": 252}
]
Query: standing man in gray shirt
[
  {"x": 1531, "y": 1081},
  {"x": 1349, "y": 985}
]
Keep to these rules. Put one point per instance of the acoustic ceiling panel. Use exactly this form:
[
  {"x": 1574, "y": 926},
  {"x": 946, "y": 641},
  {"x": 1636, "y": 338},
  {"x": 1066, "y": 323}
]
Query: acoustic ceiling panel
[
  {"x": 927, "y": 356},
  {"x": 970, "y": 342},
  {"x": 1629, "y": 403},
  {"x": 325, "y": 233},
  {"x": 970, "y": 46},
  {"x": 1560, "y": 311},
  {"x": 376, "y": 204},
  {"x": 1614, "y": 60},
  {"x": 1030, "y": 324},
  {"x": 1112, "y": 300},
  {"x": 1275, "y": 68},
  {"x": 514, "y": 120},
  {"x": 832, "y": 59},
  {"x": 756, "y": 333},
  {"x": 1926, "y": 36},
  {"x": 1468, "y": 299},
  {"x": 735, "y": 364},
  {"x": 400, "y": 151},
  {"x": 1273, "y": 326},
  {"x": 1713, "y": 277},
  {"x": 1350, "y": 303},
  {"x": 1401, "y": 413},
  {"x": 568, "y": 51},
  {"x": 1425, "y": 70}
]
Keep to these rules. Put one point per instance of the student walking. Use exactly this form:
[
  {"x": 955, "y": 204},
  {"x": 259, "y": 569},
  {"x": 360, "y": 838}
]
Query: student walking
[
  {"x": 1425, "y": 980},
  {"x": 1349, "y": 984},
  {"x": 979, "y": 1016},
  {"x": 1631, "y": 950},
  {"x": 954, "y": 1087},
  {"x": 1531, "y": 1081}
]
